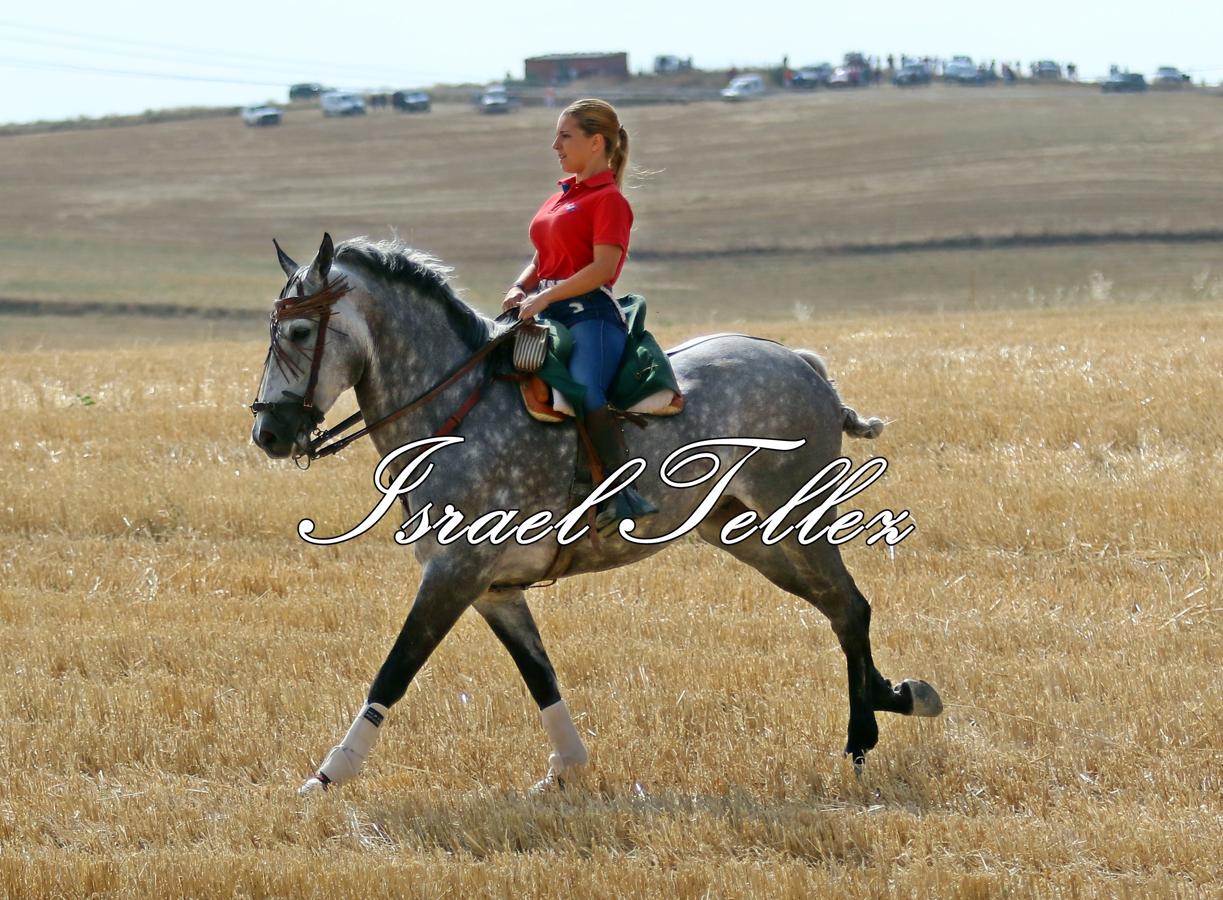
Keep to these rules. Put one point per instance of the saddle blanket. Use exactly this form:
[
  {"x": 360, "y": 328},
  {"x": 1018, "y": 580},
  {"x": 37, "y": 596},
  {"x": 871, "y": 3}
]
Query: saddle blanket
[{"x": 645, "y": 384}]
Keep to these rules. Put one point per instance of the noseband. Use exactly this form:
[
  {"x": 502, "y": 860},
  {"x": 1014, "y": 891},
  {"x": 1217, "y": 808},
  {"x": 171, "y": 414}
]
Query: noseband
[{"x": 318, "y": 306}]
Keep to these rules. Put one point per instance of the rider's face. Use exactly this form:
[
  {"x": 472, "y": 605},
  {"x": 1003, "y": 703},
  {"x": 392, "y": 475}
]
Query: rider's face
[{"x": 575, "y": 149}]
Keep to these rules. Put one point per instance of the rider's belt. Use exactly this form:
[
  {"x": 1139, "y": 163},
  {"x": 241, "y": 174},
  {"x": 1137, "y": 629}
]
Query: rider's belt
[
  {"x": 553, "y": 282},
  {"x": 604, "y": 289}
]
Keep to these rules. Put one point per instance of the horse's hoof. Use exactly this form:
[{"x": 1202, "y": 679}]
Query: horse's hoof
[
  {"x": 313, "y": 787},
  {"x": 549, "y": 784},
  {"x": 926, "y": 701},
  {"x": 556, "y": 781}
]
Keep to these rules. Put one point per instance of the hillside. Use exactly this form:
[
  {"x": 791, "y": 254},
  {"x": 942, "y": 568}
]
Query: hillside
[{"x": 772, "y": 201}]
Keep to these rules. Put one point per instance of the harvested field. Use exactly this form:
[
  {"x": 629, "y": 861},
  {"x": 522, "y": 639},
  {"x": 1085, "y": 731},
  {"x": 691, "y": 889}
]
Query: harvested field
[
  {"x": 179, "y": 660},
  {"x": 1024, "y": 282}
]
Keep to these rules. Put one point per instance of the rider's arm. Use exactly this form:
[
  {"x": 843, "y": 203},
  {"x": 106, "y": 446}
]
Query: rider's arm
[
  {"x": 525, "y": 283},
  {"x": 528, "y": 280}
]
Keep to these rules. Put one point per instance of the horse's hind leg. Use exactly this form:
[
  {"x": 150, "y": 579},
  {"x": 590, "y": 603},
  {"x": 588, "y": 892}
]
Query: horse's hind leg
[
  {"x": 508, "y": 615},
  {"x": 831, "y": 589},
  {"x": 847, "y": 611},
  {"x": 818, "y": 575}
]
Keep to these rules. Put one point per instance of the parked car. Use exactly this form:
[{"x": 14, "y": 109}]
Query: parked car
[
  {"x": 811, "y": 76},
  {"x": 855, "y": 71},
  {"x": 1047, "y": 69},
  {"x": 305, "y": 91},
  {"x": 912, "y": 74},
  {"x": 1124, "y": 83},
  {"x": 341, "y": 103},
  {"x": 847, "y": 76},
  {"x": 962, "y": 70},
  {"x": 1169, "y": 77},
  {"x": 494, "y": 100},
  {"x": 411, "y": 101},
  {"x": 669, "y": 63},
  {"x": 745, "y": 87},
  {"x": 261, "y": 115}
]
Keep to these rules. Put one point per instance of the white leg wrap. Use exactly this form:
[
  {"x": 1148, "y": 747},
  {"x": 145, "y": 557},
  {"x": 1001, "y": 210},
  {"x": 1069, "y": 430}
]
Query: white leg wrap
[
  {"x": 346, "y": 760},
  {"x": 569, "y": 751}
]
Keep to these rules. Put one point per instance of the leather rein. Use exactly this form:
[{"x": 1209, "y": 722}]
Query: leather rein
[{"x": 318, "y": 306}]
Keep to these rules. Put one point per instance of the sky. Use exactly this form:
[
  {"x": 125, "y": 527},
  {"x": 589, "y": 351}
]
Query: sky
[{"x": 78, "y": 58}]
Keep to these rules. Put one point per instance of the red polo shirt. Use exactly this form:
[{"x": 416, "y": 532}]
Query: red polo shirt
[{"x": 574, "y": 219}]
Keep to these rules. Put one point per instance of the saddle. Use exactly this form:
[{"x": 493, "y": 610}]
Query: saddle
[
  {"x": 645, "y": 384},
  {"x": 546, "y": 404}
]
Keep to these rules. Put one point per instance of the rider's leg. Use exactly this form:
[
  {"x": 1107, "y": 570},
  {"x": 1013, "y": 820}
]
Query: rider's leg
[{"x": 597, "y": 349}]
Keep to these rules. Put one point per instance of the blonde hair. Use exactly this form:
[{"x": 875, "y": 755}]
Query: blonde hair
[{"x": 599, "y": 117}]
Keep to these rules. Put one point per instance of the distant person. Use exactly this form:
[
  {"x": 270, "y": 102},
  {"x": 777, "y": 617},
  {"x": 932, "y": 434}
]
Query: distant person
[
  {"x": 550, "y": 97},
  {"x": 1072, "y": 71},
  {"x": 581, "y": 237}
]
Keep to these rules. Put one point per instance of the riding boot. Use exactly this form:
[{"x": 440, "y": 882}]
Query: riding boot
[{"x": 607, "y": 437}]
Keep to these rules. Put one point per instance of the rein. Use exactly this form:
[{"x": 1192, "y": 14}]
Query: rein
[
  {"x": 319, "y": 448},
  {"x": 318, "y": 306}
]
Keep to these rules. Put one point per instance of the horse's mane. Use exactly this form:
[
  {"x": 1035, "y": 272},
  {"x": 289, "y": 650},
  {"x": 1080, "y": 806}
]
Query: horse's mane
[{"x": 399, "y": 264}]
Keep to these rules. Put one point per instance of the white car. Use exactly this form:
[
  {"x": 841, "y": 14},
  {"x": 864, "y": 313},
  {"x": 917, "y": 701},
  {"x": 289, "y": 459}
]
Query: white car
[
  {"x": 341, "y": 103},
  {"x": 261, "y": 115},
  {"x": 745, "y": 87},
  {"x": 494, "y": 100}
]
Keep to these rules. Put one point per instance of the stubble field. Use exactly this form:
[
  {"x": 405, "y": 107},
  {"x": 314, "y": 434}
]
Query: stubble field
[{"x": 177, "y": 660}]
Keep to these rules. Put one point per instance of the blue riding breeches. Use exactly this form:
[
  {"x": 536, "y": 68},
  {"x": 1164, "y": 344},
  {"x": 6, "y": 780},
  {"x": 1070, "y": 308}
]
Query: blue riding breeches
[{"x": 598, "y": 346}]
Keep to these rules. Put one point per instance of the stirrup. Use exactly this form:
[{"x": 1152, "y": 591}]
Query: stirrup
[{"x": 628, "y": 504}]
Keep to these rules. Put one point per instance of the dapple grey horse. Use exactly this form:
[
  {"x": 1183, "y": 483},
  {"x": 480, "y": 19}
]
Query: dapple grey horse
[{"x": 400, "y": 328}]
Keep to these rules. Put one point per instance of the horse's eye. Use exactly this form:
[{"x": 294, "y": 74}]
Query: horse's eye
[{"x": 299, "y": 332}]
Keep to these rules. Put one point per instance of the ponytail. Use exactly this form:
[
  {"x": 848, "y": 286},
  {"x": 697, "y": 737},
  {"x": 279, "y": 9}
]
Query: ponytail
[
  {"x": 618, "y": 157},
  {"x": 599, "y": 117}
]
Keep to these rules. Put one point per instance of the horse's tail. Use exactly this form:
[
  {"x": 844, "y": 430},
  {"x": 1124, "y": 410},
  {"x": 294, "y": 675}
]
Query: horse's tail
[{"x": 851, "y": 423}]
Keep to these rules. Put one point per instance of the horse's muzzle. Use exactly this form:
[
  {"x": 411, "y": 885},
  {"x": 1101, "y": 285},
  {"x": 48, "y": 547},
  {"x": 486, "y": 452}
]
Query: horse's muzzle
[
  {"x": 279, "y": 426},
  {"x": 270, "y": 439}
]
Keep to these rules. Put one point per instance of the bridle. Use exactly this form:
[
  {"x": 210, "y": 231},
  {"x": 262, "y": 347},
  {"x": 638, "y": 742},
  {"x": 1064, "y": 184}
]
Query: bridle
[{"x": 295, "y": 409}]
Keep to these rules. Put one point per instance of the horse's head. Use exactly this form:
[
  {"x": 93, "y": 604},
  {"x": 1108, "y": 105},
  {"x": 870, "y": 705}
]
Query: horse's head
[{"x": 315, "y": 353}]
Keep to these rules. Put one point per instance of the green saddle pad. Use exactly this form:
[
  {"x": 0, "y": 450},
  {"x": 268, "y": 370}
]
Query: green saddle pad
[{"x": 644, "y": 368}]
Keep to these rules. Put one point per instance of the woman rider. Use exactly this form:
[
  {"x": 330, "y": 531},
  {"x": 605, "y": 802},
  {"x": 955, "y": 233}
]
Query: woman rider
[{"x": 581, "y": 236}]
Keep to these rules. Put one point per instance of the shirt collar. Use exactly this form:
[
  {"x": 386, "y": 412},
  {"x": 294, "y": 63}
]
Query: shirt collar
[{"x": 594, "y": 181}]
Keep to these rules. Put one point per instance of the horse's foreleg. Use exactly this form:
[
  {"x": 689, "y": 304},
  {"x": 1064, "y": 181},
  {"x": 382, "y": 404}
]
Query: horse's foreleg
[
  {"x": 511, "y": 621},
  {"x": 437, "y": 607}
]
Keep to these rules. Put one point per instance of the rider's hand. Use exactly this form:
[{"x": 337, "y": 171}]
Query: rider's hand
[
  {"x": 534, "y": 305},
  {"x": 513, "y": 297}
]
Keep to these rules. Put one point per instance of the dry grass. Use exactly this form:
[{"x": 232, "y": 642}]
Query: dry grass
[
  {"x": 185, "y": 211},
  {"x": 177, "y": 660}
]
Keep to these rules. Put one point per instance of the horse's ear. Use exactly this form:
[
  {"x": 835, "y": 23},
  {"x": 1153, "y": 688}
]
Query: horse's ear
[
  {"x": 286, "y": 262},
  {"x": 322, "y": 262}
]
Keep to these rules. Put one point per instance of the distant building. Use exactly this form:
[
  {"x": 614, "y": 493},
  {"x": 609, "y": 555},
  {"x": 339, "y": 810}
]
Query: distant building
[{"x": 558, "y": 68}]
